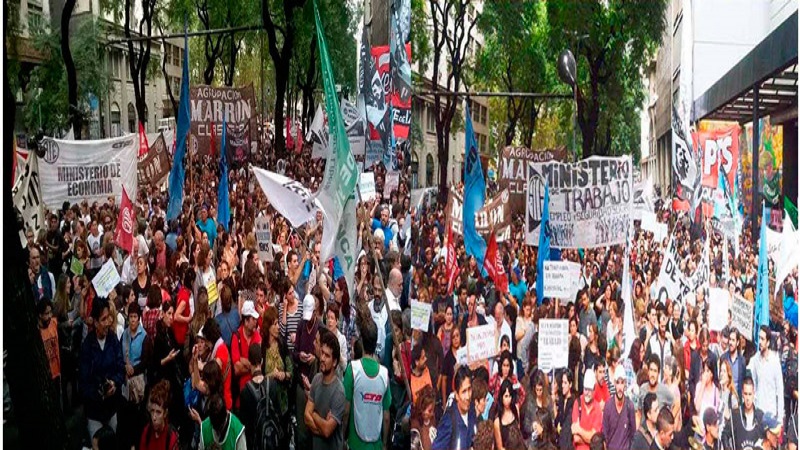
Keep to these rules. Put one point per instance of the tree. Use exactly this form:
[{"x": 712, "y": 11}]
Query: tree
[
  {"x": 32, "y": 392},
  {"x": 452, "y": 38},
  {"x": 280, "y": 51},
  {"x": 611, "y": 41},
  {"x": 75, "y": 116}
]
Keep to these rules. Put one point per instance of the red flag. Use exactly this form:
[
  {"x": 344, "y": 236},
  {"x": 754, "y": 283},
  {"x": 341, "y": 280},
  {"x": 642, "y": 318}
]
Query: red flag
[
  {"x": 289, "y": 137},
  {"x": 213, "y": 140},
  {"x": 143, "y": 147},
  {"x": 494, "y": 265},
  {"x": 123, "y": 236},
  {"x": 452, "y": 268}
]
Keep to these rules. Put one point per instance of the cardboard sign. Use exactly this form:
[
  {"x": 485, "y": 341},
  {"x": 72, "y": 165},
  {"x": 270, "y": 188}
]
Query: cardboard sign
[
  {"x": 366, "y": 186},
  {"x": 420, "y": 315},
  {"x": 561, "y": 279},
  {"x": 480, "y": 343},
  {"x": 264, "y": 238},
  {"x": 553, "y": 344},
  {"x": 742, "y": 316},
  {"x": 106, "y": 279},
  {"x": 461, "y": 356},
  {"x": 718, "y": 301}
]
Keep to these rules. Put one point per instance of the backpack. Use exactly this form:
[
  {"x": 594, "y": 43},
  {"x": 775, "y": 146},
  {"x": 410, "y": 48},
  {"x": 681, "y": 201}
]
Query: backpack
[{"x": 268, "y": 432}]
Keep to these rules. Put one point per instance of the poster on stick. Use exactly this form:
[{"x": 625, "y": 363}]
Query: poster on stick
[
  {"x": 480, "y": 343},
  {"x": 553, "y": 344},
  {"x": 366, "y": 186},
  {"x": 560, "y": 279},
  {"x": 106, "y": 279},
  {"x": 420, "y": 315},
  {"x": 742, "y": 316},
  {"x": 590, "y": 201},
  {"x": 74, "y": 171}
]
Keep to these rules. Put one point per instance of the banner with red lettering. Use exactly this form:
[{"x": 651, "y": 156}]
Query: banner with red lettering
[{"x": 401, "y": 104}]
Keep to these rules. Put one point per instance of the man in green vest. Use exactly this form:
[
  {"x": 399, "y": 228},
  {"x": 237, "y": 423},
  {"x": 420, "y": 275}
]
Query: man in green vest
[{"x": 221, "y": 429}]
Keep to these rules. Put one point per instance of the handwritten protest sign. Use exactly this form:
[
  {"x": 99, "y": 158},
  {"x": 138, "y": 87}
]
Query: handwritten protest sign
[
  {"x": 210, "y": 282},
  {"x": 420, "y": 315},
  {"x": 553, "y": 344},
  {"x": 391, "y": 184},
  {"x": 264, "y": 238},
  {"x": 366, "y": 186},
  {"x": 106, "y": 279},
  {"x": 561, "y": 279},
  {"x": 480, "y": 343},
  {"x": 718, "y": 300},
  {"x": 742, "y": 316}
]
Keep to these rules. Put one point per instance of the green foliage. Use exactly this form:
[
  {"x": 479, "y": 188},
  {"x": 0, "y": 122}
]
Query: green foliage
[
  {"x": 51, "y": 106},
  {"x": 611, "y": 41},
  {"x": 420, "y": 35}
]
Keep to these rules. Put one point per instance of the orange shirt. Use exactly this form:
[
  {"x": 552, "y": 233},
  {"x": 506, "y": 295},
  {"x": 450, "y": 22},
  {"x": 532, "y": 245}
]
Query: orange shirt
[
  {"x": 51, "y": 349},
  {"x": 419, "y": 382}
]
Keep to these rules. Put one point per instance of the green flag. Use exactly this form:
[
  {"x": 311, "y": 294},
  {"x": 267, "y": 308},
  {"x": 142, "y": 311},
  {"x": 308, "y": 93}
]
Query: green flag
[
  {"x": 341, "y": 173},
  {"x": 791, "y": 210}
]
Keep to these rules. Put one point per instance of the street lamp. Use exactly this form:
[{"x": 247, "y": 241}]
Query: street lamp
[{"x": 567, "y": 72}]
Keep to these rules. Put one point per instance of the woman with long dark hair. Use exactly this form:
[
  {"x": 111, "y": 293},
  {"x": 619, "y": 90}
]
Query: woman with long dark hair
[
  {"x": 563, "y": 408},
  {"x": 506, "y": 372},
  {"x": 164, "y": 361},
  {"x": 506, "y": 415}
]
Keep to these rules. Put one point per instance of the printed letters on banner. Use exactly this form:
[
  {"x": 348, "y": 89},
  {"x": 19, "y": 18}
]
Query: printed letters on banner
[
  {"x": 27, "y": 196},
  {"x": 207, "y": 106},
  {"x": 239, "y": 145},
  {"x": 73, "y": 171},
  {"x": 354, "y": 125},
  {"x": 590, "y": 201},
  {"x": 496, "y": 213},
  {"x": 553, "y": 344},
  {"x": 513, "y": 167},
  {"x": 264, "y": 238},
  {"x": 675, "y": 285},
  {"x": 154, "y": 168}
]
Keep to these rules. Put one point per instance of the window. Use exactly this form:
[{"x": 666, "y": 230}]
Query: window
[
  {"x": 431, "y": 125},
  {"x": 483, "y": 145},
  {"x": 177, "y": 56},
  {"x": 483, "y": 115},
  {"x": 131, "y": 118},
  {"x": 429, "y": 170},
  {"x": 115, "y": 120},
  {"x": 414, "y": 170},
  {"x": 36, "y": 22},
  {"x": 145, "y": 117}
]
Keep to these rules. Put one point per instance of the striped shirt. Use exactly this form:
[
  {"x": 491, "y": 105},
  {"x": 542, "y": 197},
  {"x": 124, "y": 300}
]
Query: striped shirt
[{"x": 292, "y": 322}]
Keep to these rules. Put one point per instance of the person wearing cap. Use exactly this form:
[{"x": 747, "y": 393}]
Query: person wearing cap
[
  {"x": 619, "y": 415},
  {"x": 711, "y": 424},
  {"x": 587, "y": 417},
  {"x": 240, "y": 344},
  {"x": 772, "y": 433},
  {"x": 304, "y": 357}
]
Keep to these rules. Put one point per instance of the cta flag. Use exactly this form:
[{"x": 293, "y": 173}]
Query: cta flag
[
  {"x": 123, "y": 235},
  {"x": 544, "y": 245},
  {"x": 223, "y": 193},
  {"x": 178, "y": 172},
  {"x": 494, "y": 265},
  {"x": 290, "y": 198},
  {"x": 474, "y": 194},
  {"x": 341, "y": 173},
  {"x": 143, "y": 146},
  {"x": 761, "y": 310}
]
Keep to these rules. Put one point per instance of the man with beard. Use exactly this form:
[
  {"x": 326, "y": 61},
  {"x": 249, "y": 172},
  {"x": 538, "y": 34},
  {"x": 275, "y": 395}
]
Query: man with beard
[
  {"x": 473, "y": 319},
  {"x": 768, "y": 378},
  {"x": 587, "y": 417},
  {"x": 326, "y": 402},
  {"x": 660, "y": 343},
  {"x": 644, "y": 435},
  {"x": 745, "y": 427},
  {"x": 619, "y": 417}
]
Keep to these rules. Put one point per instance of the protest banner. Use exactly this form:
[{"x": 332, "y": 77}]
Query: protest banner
[
  {"x": 553, "y": 344},
  {"x": 27, "y": 195},
  {"x": 264, "y": 238},
  {"x": 354, "y": 125},
  {"x": 461, "y": 356},
  {"x": 207, "y": 106},
  {"x": 366, "y": 186},
  {"x": 238, "y": 146},
  {"x": 106, "y": 279},
  {"x": 561, "y": 279},
  {"x": 650, "y": 223},
  {"x": 420, "y": 315},
  {"x": 742, "y": 316},
  {"x": 513, "y": 167},
  {"x": 480, "y": 343},
  {"x": 153, "y": 169},
  {"x": 718, "y": 301},
  {"x": 674, "y": 284},
  {"x": 391, "y": 183},
  {"x": 74, "y": 171},
  {"x": 398, "y": 96},
  {"x": 590, "y": 201},
  {"x": 496, "y": 213},
  {"x": 373, "y": 154}
]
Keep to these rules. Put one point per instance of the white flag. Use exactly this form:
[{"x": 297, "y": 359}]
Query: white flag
[
  {"x": 628, "y": 331},
  {"x": 787, "y": 258},
  {"x": 318, "y": 135},
  {"x": 290, "y": 198},
  {"x": 346, "y": 244},
  {"x": 27, "y": 195}
]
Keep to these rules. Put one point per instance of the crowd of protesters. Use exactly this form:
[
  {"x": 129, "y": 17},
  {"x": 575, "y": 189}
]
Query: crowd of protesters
[
  {"x": 679, "y": 386},
  {"x": 204, "y": 344}
]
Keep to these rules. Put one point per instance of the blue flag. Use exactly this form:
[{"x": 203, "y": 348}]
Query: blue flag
[
  {"x": 761, "y": 310},
  {"x": 223, "y": 193},
  {"x": 178, "y": 171},
  {"x": 543, "y": 253},
  {"x": 474, "y": 194}
]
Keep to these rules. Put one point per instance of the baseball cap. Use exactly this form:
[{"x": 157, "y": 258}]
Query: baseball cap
[
  {"x": 248, "y": 309},
  {"x": 309, "y": 303},
  {"x": 589, "y": 379},
  {"x": 771, "y": 424},
  {"x": 710, "y": 417},
  {"x": 619, "y": 372}
]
